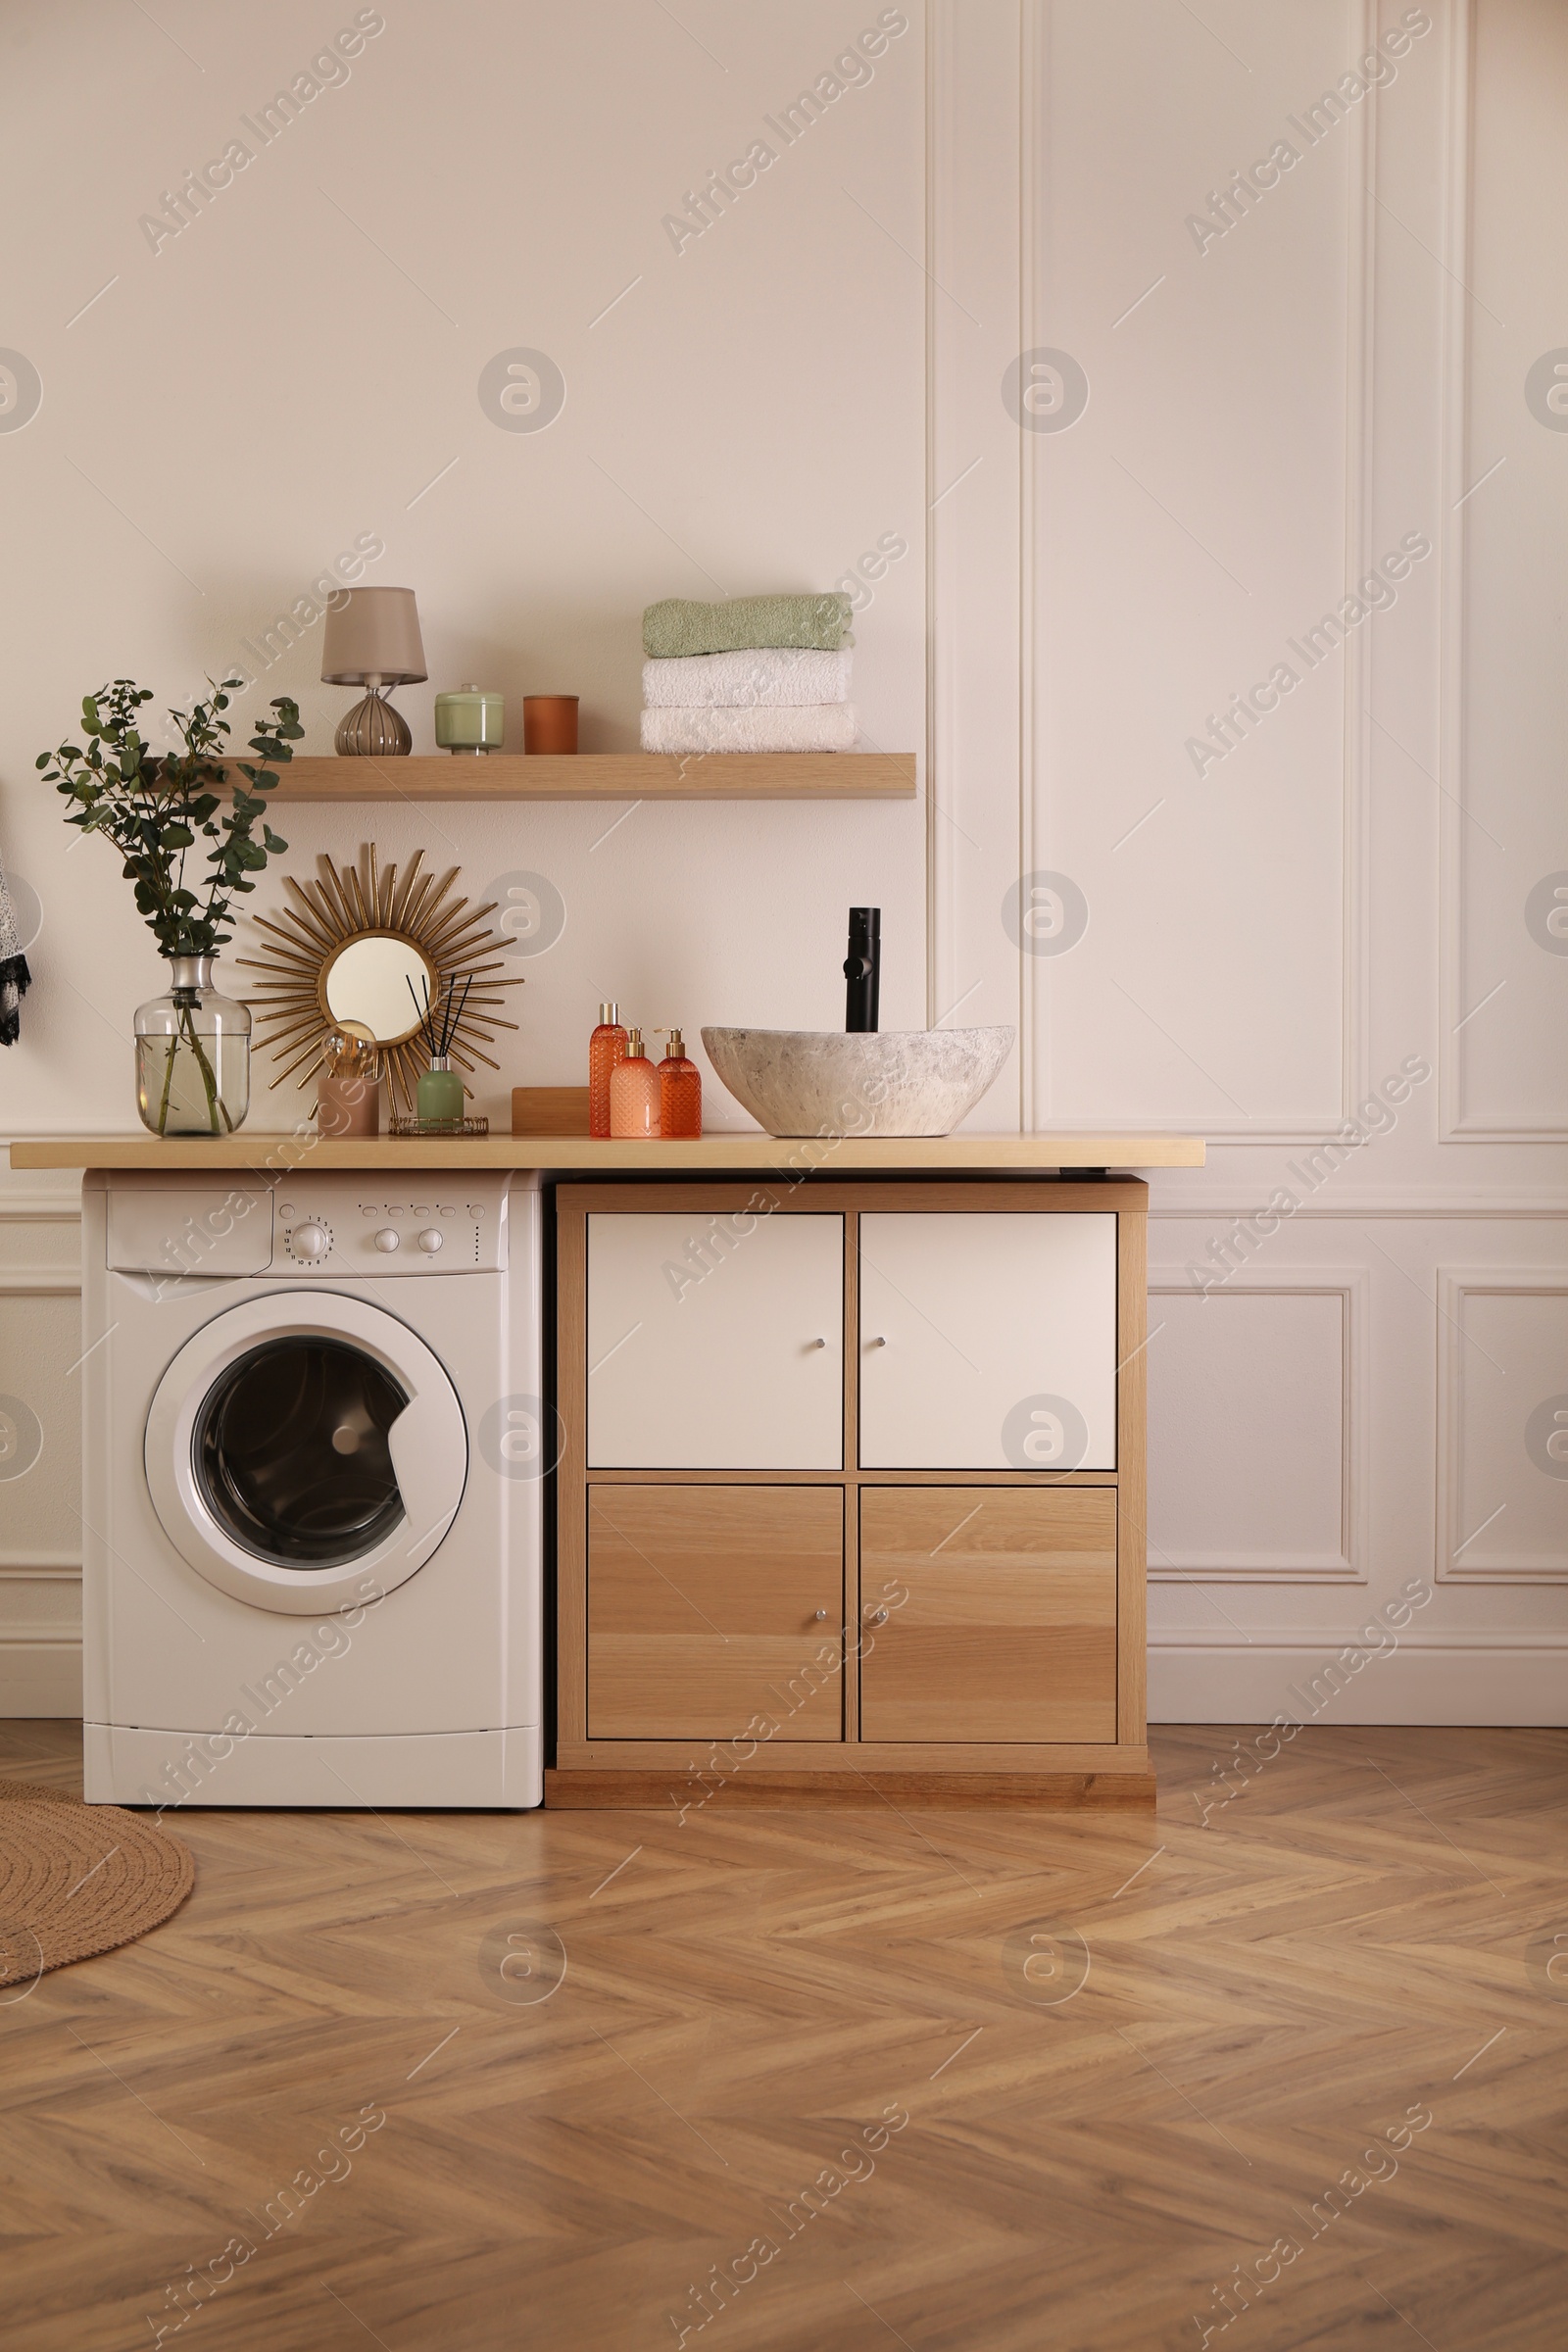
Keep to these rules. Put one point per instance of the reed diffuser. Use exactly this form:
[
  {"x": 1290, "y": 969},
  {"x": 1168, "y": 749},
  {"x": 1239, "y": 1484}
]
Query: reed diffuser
[{"x": 438, "y": 1096}]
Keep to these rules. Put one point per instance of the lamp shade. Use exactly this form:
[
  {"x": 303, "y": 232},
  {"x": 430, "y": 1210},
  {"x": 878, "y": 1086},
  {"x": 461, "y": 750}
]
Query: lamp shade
[{"x": 372, "y": 633}]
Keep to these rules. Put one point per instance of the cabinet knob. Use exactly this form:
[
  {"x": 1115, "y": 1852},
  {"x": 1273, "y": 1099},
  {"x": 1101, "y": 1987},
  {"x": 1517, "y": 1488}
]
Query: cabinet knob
[
  {"x": 817, "y": 1343},
  {"x": 876, "y": 1616},
  {"x": 879, "y": 1342},
  {"x": 821, "y": 1615}
]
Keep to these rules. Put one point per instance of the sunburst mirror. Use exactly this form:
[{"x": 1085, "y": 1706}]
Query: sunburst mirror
[{"x": 361, "y": 949}]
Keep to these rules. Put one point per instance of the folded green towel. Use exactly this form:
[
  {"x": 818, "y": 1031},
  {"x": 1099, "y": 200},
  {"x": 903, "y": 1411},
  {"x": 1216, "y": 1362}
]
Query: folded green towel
[{"x": 820, "y": 623}]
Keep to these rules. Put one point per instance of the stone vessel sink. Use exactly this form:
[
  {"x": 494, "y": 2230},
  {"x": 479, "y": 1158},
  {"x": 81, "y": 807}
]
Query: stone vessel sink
[{"x": 887, "y": 1082}]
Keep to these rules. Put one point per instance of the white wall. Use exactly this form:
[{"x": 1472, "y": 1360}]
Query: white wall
[{"x": 1265, "y": 937}]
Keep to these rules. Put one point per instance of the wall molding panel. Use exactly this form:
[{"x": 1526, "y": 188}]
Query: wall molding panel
[
  {"x": 1041, "y": 786},
  {"x": 1463, "y": 1555},
  {"x": 1361, "y": 379},
  {"x": 1466, "y": 983},
  {"x": 1453, "y": 763},
  {"x": 1347, "y": 1564}
]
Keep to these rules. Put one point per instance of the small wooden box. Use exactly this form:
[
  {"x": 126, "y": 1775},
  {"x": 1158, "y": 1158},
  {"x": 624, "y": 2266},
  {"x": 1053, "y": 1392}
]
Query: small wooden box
[{"x": 550, "y": 1111}]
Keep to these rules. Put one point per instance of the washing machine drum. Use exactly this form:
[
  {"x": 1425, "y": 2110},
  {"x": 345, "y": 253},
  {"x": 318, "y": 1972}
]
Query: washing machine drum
[{"x": 300, "y": 1453}]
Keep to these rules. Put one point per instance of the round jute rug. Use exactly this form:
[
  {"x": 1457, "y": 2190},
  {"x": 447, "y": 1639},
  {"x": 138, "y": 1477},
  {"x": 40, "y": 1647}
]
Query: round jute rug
[{"x": 76, "y": 1880}]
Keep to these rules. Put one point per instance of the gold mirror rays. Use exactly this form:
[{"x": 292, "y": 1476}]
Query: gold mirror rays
[{"x": 311, "y": 948}]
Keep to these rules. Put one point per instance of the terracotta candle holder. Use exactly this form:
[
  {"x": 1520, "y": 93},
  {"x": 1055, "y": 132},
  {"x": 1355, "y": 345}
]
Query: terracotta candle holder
[{"x": 548, "y": 722}]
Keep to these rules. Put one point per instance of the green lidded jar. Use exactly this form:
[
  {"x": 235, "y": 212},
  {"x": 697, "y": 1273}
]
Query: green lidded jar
[{"x": 469, "y": 720}]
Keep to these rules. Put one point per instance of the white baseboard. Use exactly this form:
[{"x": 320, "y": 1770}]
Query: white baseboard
[
  {"x": 40, "y": 1677},
  {"x": 1522, "y": 1686}
]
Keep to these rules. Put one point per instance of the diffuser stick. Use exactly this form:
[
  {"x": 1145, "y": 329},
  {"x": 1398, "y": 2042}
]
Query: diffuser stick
[
  {"x": 451, "y": 1023},
  {"x": 422, "y": 1013}
]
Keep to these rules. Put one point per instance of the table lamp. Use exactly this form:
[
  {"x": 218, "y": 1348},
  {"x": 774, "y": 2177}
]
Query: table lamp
[{"x": 373, "y": 639}]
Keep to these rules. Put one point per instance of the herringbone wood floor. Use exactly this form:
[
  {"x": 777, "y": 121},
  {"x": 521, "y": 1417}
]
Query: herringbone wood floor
[{"x": 1267, "y": 1995}]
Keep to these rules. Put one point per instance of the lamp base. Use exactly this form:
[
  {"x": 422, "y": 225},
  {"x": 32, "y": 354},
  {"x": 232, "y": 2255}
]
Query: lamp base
[{"x": 373, "y": 730}]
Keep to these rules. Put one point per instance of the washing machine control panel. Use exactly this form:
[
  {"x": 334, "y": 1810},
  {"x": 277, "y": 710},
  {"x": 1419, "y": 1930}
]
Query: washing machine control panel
[{"x": 336, "y": 1224}]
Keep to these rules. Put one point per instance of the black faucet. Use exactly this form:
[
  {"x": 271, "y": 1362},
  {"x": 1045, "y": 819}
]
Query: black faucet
[{"x": 862, "y": 969}]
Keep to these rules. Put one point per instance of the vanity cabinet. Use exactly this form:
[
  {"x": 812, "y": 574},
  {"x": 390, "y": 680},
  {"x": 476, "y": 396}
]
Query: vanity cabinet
[{"x": 851, "y": 1491}]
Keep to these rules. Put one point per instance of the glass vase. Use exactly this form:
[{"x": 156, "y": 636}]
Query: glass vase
[{"x": 193, "y": 1055}]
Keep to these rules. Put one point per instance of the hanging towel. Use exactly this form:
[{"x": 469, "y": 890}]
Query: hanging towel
[
  {"x": 679, "y": 626},
  {"x": 14, "y": 977},
  {"x": 808, "y": 727},
  {"x": 747, "y": 681}
]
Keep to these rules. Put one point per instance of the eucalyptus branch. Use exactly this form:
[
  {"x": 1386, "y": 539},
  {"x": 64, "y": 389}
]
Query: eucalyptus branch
[{"x": 157, "y": 806}]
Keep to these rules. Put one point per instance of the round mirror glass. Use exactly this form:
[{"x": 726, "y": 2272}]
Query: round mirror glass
[{"x": 379, "y": 984}]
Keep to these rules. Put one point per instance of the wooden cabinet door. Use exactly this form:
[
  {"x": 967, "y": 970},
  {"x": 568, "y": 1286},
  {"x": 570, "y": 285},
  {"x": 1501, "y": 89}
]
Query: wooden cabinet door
[
  {"x": 716, "y": 1343},
  {"x": 708, "y": 1606},
  {"x": 988, "y": 1340},
  {"x": 1009, "y": 1628}
]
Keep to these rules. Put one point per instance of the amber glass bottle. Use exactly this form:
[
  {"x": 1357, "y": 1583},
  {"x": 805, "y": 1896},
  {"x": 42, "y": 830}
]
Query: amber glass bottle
[
  {"x": 634, "y": 1093},
  {"x": 680, "y": 1091},
  {"x": 606, "y": 1047}
]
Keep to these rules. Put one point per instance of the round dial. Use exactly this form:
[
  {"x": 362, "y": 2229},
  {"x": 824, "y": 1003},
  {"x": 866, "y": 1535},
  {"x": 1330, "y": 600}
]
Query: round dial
[
  {"x": 389, "y": 1237},
  {"x": 432, "y": 1239},
  {"x": 310, "y": 1241}
]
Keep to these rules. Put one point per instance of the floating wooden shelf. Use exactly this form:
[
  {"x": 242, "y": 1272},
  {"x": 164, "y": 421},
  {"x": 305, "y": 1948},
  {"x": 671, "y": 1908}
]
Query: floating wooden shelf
[{"x": 605, "y": 777}]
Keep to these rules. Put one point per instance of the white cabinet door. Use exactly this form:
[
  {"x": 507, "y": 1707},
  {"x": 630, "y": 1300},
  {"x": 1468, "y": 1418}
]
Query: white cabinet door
[
  {"x": 988, "y": 1340},
  {"x": 716, "y": 1343}
]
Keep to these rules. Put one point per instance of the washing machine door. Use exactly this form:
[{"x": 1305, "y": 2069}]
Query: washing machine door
[{"x": 306, "y": 1450}]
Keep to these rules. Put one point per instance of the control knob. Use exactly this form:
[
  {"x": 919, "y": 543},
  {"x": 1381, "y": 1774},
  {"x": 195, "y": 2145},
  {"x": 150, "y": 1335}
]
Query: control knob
[
  {"x": 389, "y": 1237},
  {"x": 310, "y": 1241},
  {"x": 432, "y": 1239}
]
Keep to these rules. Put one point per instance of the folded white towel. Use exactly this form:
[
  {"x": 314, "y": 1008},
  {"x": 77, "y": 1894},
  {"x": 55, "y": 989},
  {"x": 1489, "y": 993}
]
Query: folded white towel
[
  {"x": 746, "y": 680},
  {"x": 808, "y": 727}
]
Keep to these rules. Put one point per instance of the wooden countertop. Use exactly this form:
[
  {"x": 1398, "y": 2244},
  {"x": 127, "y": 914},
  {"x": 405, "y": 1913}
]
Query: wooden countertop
[{"x": 712, "y": 1155}]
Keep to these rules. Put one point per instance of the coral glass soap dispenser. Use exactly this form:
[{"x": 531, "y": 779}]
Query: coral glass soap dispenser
[
  {"x": 680, "y": 1092},
  {"x": 606, "y": 1048},
  {"x": 634, "y": 1093}
]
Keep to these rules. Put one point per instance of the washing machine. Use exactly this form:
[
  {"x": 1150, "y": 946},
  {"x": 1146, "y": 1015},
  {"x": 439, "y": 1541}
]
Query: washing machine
[{"x": 315, "y": 1448}]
